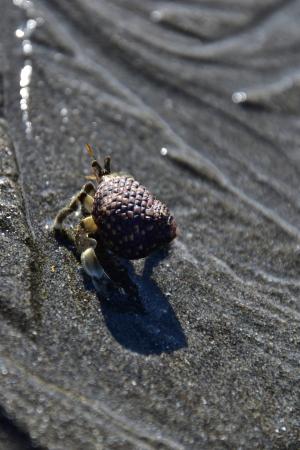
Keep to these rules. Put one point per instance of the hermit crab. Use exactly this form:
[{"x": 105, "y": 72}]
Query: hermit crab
[{"x": 120, "y": 215}]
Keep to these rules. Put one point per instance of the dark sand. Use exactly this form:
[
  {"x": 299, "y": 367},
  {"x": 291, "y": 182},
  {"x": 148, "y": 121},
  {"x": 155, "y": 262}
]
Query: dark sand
[{"x": 213, "y": 362}]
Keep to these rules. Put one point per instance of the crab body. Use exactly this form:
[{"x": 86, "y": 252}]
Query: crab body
[
  {"x": 131, "y": 221},
  {"x": 121, "y": 216}
]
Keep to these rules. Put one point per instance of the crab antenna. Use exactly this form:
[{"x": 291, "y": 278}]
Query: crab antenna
[
  {"x": 97, "y": 169},
  {"x": 90, "y": 150}
]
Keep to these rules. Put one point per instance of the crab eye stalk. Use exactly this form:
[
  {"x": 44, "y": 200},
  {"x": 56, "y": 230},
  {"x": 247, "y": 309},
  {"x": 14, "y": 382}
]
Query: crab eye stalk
[
  {"x": 107, "y": 165},
  {"x": 97, "y": 168},
  {"x": 98, "y": 171}
]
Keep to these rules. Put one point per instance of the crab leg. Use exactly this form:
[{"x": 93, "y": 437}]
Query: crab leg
[
  {"x": 86, "y": 247},
  {"x": 91, "y": 265},
  {"x": 83, "y": 198}
]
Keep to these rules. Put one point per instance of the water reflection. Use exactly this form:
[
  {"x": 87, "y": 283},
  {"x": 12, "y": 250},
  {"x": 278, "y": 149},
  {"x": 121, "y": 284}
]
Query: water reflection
[{"x": 24, "y": 33}]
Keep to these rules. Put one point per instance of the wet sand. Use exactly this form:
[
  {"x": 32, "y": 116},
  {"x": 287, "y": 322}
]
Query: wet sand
[{"x": 200, "y": 102}]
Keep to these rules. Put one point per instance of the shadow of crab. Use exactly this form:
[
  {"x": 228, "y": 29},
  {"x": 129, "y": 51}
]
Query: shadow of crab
[{"x": 136, "y": 311}]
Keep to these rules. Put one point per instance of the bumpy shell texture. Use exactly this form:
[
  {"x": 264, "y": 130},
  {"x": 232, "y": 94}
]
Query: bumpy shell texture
[{"x": 131, "y": 221}]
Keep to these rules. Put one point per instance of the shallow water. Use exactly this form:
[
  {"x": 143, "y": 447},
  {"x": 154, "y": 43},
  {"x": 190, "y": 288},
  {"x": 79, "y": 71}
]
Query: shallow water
[{"x": 198, "y": 100}]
